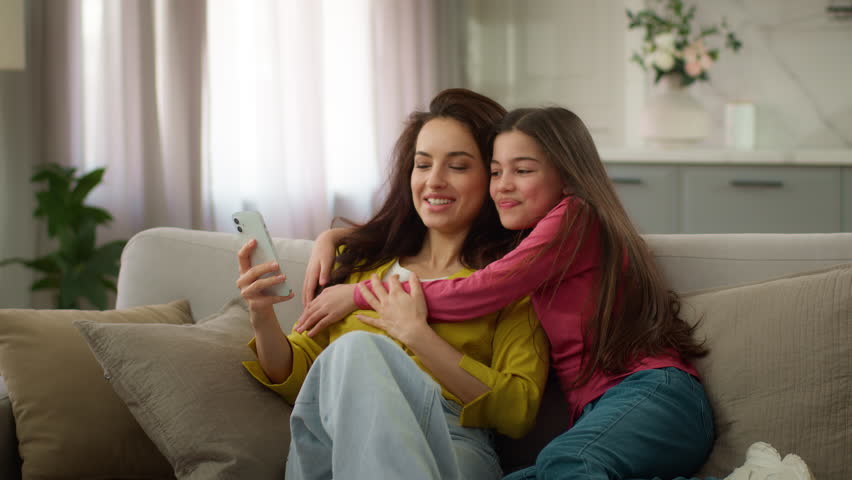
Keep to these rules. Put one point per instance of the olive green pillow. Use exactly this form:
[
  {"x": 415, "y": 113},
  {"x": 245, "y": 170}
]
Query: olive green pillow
[
  {"x": 779, "y": 368},
  {"x": 69, "y": 422},
  {"x": 186, "y": 386}
]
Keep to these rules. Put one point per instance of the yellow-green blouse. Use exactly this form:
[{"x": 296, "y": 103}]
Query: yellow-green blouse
[{"x": 505, "y": 350}]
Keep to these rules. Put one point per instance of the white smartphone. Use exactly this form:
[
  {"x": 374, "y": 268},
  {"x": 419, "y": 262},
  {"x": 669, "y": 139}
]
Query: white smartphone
[{"x": 250, "y": 225}]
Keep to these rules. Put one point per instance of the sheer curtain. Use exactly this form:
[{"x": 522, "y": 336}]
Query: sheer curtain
[
  {"x": 122, "y": 89},
  {"x": 199, "y": 108},
  {"x": 305, "y": 101},
  {"x": 268, "y": 145}
]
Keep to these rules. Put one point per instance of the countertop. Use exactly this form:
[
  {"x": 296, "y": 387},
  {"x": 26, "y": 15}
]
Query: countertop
[{"x": 720, "y": 156}]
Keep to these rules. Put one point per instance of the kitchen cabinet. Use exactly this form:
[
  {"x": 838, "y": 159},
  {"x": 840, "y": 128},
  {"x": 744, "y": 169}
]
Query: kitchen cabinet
[
  {"x": 761, "y": 199},
  {"x": 724, "y": 198},
  {"x": 649, "y": 194}
]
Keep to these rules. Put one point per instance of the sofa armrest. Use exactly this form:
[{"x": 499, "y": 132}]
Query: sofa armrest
[
  {"x": 10, "y": 462},
  {"x": 164, "y": 264}
]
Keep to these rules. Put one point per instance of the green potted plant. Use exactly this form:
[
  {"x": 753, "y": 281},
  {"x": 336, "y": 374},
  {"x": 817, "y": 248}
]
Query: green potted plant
[{"x": 77, "y": 269}]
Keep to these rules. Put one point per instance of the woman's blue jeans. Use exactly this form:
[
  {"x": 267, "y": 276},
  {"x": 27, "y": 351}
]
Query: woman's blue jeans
[
  {"x": 654, "y": 424},
  {"x": 367, "y": 411}
]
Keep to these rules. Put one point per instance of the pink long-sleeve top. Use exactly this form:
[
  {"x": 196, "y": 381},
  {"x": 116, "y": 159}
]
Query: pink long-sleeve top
[{"x": 563, "y": 302}]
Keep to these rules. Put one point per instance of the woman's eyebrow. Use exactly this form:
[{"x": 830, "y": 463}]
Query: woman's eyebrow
[
  {"x": 518, "y": 159},
  {"x": 460, "y": 153}
]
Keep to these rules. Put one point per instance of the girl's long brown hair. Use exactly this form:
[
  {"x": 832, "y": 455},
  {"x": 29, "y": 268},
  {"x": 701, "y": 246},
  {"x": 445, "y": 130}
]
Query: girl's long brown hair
[
  {"x": 635, "y": 315},
  {"x": 397, "y": 230}
]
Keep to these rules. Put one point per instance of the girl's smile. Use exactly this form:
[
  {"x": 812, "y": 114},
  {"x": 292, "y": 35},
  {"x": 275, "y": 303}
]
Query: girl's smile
[{"x": 524, "y": 184}]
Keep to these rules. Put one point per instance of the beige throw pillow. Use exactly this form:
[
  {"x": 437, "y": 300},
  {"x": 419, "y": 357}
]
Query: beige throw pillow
[
  {"x": 780, "y": 368},
  {"x": 69, "y": 422},
  {"x": 186, "y": 386}
]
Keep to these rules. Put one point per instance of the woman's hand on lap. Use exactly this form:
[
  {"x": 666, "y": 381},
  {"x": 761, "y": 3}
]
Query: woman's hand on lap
[{"x": 402, "y": 315}]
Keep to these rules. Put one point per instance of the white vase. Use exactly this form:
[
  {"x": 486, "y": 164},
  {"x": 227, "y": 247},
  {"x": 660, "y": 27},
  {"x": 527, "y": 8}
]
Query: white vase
[{"x": 672, "y": 117}]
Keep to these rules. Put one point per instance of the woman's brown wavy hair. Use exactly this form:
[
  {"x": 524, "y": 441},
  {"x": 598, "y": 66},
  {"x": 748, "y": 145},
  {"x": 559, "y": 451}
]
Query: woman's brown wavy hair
[
  {"x": 636, "y": 315},
  {"x": 397, "y": 230}
]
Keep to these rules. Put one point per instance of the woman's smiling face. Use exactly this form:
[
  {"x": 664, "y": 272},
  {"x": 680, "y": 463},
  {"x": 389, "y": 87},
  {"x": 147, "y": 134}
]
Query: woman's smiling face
[
  {"x": 525, "y": 185},
  {"x": 448, "y": 182}
]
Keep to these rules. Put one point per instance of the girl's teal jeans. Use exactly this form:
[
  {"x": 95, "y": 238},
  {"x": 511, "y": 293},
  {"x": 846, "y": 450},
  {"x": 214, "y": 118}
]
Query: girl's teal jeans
[{"x": 655, "y": 424}]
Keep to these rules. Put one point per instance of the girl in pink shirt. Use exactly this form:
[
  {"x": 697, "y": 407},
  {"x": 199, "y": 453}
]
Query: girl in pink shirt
[{"x": 618, "y": 345}]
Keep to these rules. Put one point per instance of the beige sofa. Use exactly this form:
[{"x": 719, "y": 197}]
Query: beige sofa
[{"x": 766, "y": 372}]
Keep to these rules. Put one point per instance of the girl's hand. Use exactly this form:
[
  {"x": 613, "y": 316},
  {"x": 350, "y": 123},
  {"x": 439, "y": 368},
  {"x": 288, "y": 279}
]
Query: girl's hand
[
  {"x": 401, "y": 315},
  {"x": 251, "y": 285},
  {"x": 331, "y": 306},
  {"x": 320, "y": 263}
]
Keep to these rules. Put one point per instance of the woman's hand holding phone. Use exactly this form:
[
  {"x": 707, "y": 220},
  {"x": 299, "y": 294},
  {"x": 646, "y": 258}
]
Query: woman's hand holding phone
[
  {"x": 252, "y": 286},
  {"x": 274, "y": 354}
]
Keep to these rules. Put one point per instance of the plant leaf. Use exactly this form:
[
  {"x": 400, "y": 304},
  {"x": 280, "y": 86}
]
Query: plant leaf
[
  {"x": 95, "y": 293},
  {"x": 84, "y": 246},
  {"x": 97, "y": 215},
  {"x": 59, "y": 180},
  {"x": 69, "y": 289},
  {"x": 638, "y": 59},
  {"x": 106, "y": 260},
  {"x": 45, "y": 264},
  {"x": 708, "y": 31},
  {"x": 67, "y": 248},
  {"x": 86, "y": 184},
  {"x": 93, "y": 275},
  {"x": 47, "y": 283},
  {"x": 12, "y": 261},
  {"x": 53, "y": 172},
  {"x": 51, "y": 205},
  {"x": 109, "y": 284}
]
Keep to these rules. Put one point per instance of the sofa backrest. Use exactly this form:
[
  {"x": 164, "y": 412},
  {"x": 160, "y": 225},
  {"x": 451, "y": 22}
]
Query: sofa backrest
[
  {"x": 164, "y": 264},
  {"x": 697, "y": 262}
]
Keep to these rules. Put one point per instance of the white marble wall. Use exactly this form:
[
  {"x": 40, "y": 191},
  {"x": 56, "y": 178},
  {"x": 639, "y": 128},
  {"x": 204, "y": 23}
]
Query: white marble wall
[{"x": 795, "y": 65}]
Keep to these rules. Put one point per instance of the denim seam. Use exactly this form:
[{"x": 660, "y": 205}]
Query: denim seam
[
  {"x": 613, "y": 423},
  {"x": 426, "y": 414},
  {"x": 585, "y": 462},
  {"x": 707, "y": 422}
]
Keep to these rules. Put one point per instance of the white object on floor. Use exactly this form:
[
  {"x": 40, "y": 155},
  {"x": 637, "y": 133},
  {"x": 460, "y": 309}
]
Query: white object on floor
[{"x": 764, "y": 463}]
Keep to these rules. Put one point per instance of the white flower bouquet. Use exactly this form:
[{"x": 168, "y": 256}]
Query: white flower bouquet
[{"x": 670, "y": 46}]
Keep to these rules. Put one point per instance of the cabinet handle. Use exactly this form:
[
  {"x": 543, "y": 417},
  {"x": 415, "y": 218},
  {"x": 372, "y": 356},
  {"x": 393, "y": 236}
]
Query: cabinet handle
[
  {"x": 626, "y": 180},
  {"x": 757, "y": 183}
]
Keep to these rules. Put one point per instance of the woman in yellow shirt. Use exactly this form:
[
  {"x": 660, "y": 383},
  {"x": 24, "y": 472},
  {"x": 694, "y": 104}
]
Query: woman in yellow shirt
[{"x": 387, "y": 395}]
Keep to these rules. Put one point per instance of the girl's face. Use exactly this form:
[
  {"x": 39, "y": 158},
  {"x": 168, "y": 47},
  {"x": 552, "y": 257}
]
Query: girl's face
[
  {"x": 525, "y": 185},
  {"x": 448, "y": 182}
]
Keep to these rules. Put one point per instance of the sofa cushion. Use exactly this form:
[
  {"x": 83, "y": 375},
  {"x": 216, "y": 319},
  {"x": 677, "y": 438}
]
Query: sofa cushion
[
  {"x": 779, "y": 368},
  {"x": 69, "y": 422},
  {"x": 188, "y": 389}
]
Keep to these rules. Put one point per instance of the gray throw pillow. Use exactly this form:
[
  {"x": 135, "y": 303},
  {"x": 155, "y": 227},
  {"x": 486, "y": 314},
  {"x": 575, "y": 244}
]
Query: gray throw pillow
[
  {"x": 779, "y": 368},
  {"x": 188, "y": 390}
]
